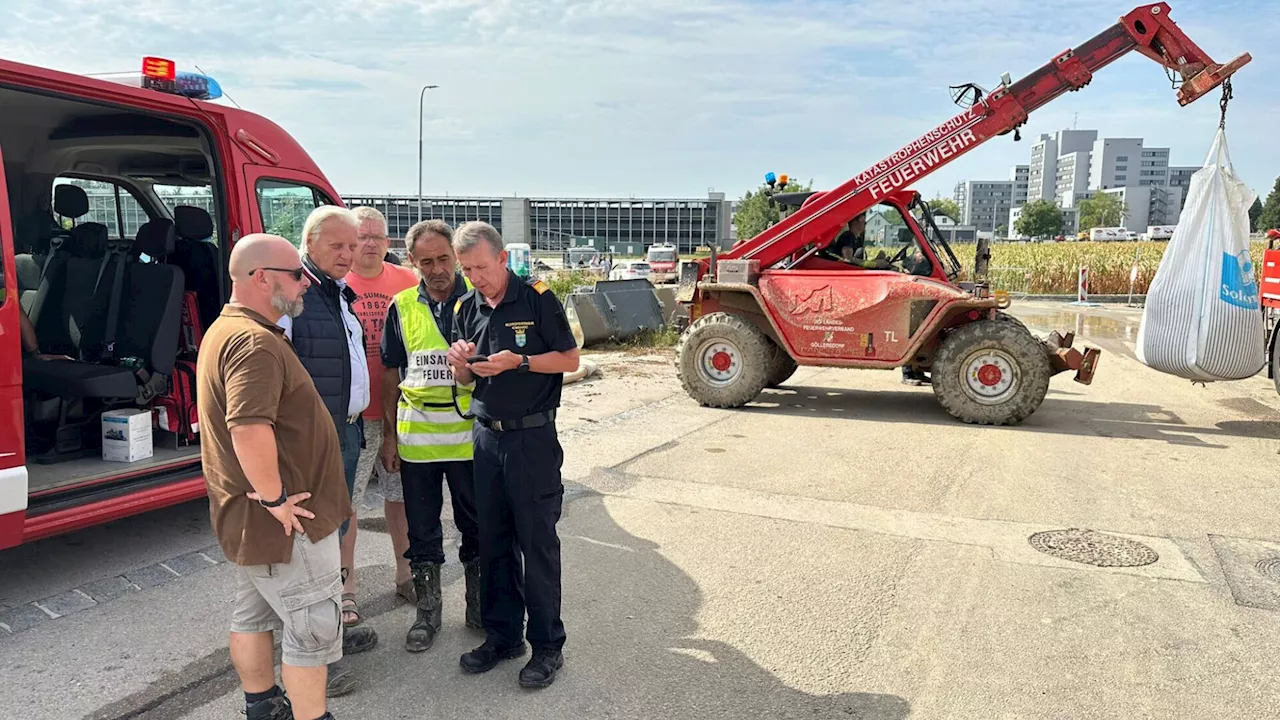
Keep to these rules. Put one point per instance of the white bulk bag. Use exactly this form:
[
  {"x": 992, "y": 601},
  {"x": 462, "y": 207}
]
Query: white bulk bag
[{"x": 1203, "y": 318}]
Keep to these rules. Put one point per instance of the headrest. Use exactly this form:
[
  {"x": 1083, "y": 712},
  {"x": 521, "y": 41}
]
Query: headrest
[
  {"x": 192, "y": 223},
  {"x": 88, "y": 240},
  {"x": 155, "y": 238},
  {"x": 70, "y": 201}
]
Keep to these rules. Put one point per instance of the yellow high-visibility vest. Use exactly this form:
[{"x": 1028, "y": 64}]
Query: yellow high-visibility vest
[{"x": 428, "y": 426}]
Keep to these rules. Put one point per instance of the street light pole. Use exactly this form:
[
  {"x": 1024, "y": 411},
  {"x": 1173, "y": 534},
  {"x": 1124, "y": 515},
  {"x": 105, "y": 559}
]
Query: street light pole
[{"x": 421, "y": 96}]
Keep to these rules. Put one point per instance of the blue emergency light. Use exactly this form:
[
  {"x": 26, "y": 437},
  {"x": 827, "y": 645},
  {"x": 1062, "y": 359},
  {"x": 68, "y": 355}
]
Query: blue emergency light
[{"x": 770, "y": 178}]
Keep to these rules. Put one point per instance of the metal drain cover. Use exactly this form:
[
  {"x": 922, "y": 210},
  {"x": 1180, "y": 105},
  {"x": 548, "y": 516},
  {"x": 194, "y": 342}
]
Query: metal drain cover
[
  {"x": 1094, "y": 548},
  {"x": 1270, "y": 568}
]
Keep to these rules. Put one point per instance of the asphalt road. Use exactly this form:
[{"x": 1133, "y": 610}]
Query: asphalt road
[{"x": 841, "y": 548}]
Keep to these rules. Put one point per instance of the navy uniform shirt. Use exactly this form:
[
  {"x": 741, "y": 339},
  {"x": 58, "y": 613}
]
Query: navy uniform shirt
[
  {"x": 529, "y": 321},
  {"x": 394, "y": 353}
]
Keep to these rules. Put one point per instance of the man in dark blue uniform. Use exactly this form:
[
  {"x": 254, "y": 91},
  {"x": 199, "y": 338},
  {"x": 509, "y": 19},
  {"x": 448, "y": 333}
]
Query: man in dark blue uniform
[{"x": 523, "y": 335}]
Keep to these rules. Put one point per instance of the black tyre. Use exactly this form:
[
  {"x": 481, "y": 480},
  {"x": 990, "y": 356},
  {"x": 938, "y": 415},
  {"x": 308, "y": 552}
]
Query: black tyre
[
  {"x": 781, "y": 366},
  {"x": 723, "y": 360},
  {"x": 991, "y": 372}
]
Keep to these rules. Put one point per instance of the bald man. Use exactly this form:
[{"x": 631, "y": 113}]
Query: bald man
[{"x": 274, "y": 474}]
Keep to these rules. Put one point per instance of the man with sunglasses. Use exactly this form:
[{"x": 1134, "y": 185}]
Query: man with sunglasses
[
  {"x": 273, "y": 471},
  {"x": 330, "y": 343}
]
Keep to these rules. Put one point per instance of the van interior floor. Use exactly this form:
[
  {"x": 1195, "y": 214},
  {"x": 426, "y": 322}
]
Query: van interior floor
[{"x": 42, "y": 478}]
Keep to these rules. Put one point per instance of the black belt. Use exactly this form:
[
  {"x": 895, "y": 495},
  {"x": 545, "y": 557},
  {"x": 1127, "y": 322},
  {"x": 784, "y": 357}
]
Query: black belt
[{"x": 527, "y": 422}]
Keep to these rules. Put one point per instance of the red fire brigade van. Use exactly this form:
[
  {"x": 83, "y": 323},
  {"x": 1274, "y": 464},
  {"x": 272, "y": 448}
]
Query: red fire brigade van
[{"x": 119, "y": 202}]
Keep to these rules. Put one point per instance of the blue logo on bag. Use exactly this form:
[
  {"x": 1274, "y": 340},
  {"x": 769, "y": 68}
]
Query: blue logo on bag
[{"x": 1238, "y": 286}]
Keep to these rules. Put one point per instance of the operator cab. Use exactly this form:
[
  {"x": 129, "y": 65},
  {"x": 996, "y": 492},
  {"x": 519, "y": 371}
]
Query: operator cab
[{"x": 880, "y": 238}]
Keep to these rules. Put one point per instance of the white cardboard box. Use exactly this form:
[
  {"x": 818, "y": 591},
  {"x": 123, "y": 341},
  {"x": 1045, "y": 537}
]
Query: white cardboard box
[{"x": 126, "y": 435}]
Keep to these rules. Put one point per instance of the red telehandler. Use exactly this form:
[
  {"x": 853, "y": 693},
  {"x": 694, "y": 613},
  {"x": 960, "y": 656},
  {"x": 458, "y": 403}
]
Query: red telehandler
[{"x": 860, "y": 276}]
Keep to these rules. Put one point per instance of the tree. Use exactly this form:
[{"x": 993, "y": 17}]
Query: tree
[
  {"x": 1040, "y": 218},
  {"x": 1002, "y": 231},
  {"x": 755, "y": 214},
  {"x": 1255, "y": 211},
  {"x": 948, "y": 207},
  {"x": 1270, "y": 216},
  {"x": 1102, "y": 210}
]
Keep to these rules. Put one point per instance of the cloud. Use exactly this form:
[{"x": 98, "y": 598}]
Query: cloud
[{"x": 614, "y": 97}]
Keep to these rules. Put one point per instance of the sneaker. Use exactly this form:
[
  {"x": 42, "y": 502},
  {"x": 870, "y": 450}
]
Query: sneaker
[
  {"x": 492, "y": 652},
  {"x": 273, "y": 708},
  {"x": 541, "y": 669}
]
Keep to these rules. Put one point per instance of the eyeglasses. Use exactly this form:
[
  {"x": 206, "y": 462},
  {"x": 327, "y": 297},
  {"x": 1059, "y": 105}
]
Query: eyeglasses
[
  {"x": 295, "y": 272},
  {"x": 367, "y": 238}
]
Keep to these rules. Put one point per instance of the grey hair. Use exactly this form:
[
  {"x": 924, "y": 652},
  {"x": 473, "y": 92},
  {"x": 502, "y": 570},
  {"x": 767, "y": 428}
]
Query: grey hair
[
  {"x": 311, "y": 228},
  {"x": 471, "y": 234},
  {"x": 364, "y": 212},
  {"x": 419, "y": 230}
]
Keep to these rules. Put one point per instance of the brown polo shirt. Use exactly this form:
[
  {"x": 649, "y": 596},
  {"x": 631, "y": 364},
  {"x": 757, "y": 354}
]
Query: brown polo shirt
[{"x": 248, "y": 373}]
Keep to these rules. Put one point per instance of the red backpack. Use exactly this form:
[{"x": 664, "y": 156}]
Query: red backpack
[{"x": 175, "y": 411}]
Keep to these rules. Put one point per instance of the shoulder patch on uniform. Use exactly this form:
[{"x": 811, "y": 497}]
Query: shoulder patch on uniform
[{"x": 540, "y": 286}]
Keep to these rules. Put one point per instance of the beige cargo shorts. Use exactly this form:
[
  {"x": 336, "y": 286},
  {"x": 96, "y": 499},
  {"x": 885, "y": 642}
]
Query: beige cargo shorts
[{"x": 304, "y": 595}]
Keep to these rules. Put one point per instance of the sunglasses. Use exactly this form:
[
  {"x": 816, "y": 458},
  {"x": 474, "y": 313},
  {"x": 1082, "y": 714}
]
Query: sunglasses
[{"x": 295, "y": 272}]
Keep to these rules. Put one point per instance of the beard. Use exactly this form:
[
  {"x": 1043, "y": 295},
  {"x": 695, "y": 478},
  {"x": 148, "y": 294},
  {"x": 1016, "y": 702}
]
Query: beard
[{"x": 292, "y": 308}]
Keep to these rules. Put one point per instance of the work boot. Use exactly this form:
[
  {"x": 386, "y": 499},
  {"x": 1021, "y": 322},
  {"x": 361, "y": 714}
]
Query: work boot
[
  {"x": 492, "y": 652},
  {"x": 358, "y": 639},
  {"x": 342, "y": 680},
  {"x": 473, "y": 595},
  {"x": 541, "y": 668},
  {"x": 273, "y": 708},
  {"x": 426, "y": 584},
  {"x": 912, "y": 376}
]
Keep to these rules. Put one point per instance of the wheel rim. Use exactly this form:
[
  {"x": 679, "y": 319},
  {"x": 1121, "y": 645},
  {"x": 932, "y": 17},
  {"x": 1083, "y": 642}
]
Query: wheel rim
[
  {"x": 719, "y": 362},
  {"x": 989, "y": 376}
]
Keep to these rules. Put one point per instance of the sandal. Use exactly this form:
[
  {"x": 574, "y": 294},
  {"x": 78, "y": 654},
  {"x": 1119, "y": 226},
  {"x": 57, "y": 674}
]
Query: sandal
[
  {"x": 349, "y": 607},
  {"x": 406, "y": 591}
]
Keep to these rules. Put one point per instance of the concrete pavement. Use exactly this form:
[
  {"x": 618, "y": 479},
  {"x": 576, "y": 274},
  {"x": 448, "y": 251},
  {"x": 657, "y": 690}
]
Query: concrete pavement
[{"x": 841, "y": 548}]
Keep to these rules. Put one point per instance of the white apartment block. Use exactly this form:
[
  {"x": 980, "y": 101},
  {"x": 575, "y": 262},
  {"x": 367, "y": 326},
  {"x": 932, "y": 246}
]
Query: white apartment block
[
  {"x": 1042, "y": 173},
  {"x": 1069, "y": 166}
]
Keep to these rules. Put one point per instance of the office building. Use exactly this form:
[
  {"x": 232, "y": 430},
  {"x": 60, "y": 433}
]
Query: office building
[
  {"x": 984, "y": 204},
  {"x": 1020, "y": 175},
  {"x": 558, "y": 223},
  {"x": 1180, "y": 177}
]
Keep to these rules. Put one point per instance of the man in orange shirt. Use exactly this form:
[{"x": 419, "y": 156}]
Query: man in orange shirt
[{"x": 376, "y": 281}]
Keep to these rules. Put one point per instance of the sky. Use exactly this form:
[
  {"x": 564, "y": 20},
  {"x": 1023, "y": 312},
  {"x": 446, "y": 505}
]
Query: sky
[{"x": 658, "y": 98}]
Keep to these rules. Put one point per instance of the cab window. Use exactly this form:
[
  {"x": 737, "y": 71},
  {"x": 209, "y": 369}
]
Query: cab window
[
  {"x": 285, "y": 206},
  {"x": 886, "y": 243}
]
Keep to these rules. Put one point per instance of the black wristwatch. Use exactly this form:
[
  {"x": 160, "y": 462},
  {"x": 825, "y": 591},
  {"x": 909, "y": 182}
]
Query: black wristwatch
[
  {"x": 284, "y": 497},
  {"x": 524, "y": 363}
]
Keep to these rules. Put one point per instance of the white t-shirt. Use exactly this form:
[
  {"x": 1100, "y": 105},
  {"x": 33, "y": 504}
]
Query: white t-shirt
[{"x": 355, "y": 349}]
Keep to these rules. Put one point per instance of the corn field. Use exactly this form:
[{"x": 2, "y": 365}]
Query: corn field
[{"x": 1053, "y": 268}]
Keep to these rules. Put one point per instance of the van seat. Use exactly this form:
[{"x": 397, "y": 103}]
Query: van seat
[{"x": 149, "y": 317}]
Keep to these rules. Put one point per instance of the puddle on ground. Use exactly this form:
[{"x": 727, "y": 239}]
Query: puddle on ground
[{"x": 1083, "y": 325}]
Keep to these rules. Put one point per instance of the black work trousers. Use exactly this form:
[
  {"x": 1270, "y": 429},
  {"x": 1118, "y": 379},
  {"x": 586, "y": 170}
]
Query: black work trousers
[
  {"x": 518, "y": 497},
  {"x": 423, "y": 502}
]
